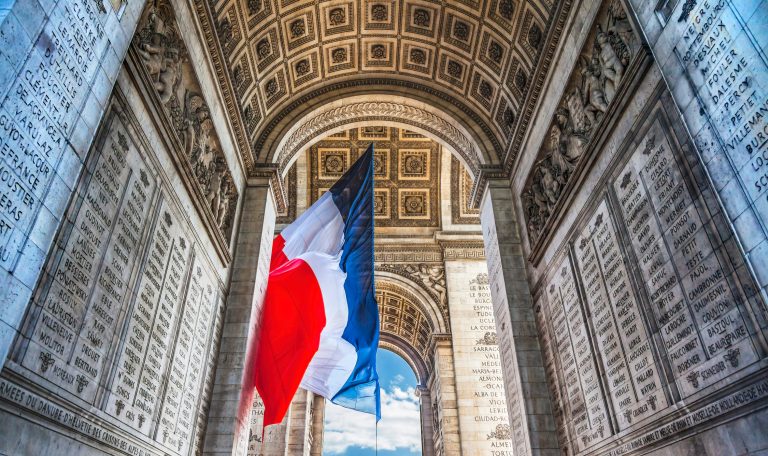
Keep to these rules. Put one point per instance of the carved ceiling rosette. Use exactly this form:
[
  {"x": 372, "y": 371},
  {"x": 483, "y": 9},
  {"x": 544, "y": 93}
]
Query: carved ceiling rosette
[
  {"x": 165, "y": 60},
  {"x": 592, "y": 88}
]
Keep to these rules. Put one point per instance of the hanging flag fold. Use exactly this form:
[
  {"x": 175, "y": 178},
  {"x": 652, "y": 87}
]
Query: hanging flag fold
[{"x": 319, "y": 327}]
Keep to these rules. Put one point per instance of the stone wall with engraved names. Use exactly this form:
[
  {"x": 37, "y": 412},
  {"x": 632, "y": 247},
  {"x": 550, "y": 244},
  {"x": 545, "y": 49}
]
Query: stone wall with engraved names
[
  {"x": 58, "y": 64},
  {"x": 483, "y": 418},
  {"x": 712, "y": 54},
  {"x": 647, "y": 309},
  {"x": 126, "y": 318}
]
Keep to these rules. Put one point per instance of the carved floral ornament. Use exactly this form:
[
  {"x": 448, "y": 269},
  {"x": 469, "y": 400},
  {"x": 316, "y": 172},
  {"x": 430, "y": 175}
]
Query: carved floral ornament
[
  {"x": 591, "y": 89},
  {"x": 322, "y": 122},
  {"x": 166, "y": 61}
]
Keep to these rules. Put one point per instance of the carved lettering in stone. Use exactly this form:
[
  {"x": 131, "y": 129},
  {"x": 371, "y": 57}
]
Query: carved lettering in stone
[
  {"x": 135, "y": 391},
  {"x": 483, "y": 415},
  {"x": 588, "y": 416},
  {"x": 700, "y": 321},
  {"x": 622, "y": 338},
  {"x": 89, "y": 283}
]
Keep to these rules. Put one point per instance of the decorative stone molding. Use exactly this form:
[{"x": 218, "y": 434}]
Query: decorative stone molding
[
  {"x": 318, "y": 124},
  {"x": 417, "y": 253},
  {"x": 463, "y": 250},
  {"x": 430, "y": 277},
  {"x": 163, "y": 59}
]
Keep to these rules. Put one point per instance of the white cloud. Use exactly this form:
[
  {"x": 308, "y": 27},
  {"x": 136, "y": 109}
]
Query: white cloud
[
  {"x": 399, "y": 378},
  {"x": 399, "y": 426}
]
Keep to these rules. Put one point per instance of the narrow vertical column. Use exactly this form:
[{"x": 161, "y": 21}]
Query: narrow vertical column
[
  {"x": 427, "y": 424},
  {"x": 227, "y": 433},
  {"x": 528, "y": 402},
  {"x": 445, "y": 411},
  {"x": 299, "y": 431},
  {"x": 318, "y": 424},
  {"x": 482, "y": 406}
]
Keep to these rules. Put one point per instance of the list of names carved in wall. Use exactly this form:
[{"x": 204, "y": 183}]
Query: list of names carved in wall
[
  {"x": 482, "y": 406},
  {"x": 138, "y": 322},
  {"x": 726, "y": 67},
  {"x": 87, "y": 288},
  {"x": 623, "y": 343},
  {"x": 40, "y": 111},
  {"x": 702, "y": 327},
  {"x": 664, "y": 304},
  {"x": 584, "y": 396}
]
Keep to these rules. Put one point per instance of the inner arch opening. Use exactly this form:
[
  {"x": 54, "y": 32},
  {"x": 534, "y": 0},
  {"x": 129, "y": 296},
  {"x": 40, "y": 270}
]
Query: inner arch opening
[{"x": 348, "y": 433}]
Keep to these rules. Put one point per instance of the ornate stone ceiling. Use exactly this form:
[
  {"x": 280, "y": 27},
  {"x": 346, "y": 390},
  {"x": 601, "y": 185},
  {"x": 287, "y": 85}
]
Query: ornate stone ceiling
[
  {"x": 402, "y": 317},
  {"x": 486, "y": 58},
  {"x": 407, "y": 176},
  {"x": 406, "y": 172}
]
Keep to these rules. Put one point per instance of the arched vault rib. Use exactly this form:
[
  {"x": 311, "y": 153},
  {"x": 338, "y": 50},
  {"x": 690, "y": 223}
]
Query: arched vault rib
[{"x": 381, "y": 110}]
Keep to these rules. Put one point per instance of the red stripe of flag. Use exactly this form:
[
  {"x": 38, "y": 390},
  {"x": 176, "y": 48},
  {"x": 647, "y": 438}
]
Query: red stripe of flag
[{"x": 292, "y": 319}]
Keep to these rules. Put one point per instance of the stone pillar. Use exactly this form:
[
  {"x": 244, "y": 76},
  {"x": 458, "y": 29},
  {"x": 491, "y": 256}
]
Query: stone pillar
[
  {"x": 299, "y": 430},
  {"x": 227, "y": 433},
  {"x": 445, "y": 411},
  {"x": 58, "y": 64},
  {"x": 318, "y": 424},
  {"x": 427, "y": 423},
  {"x": 482, "y": 406},
  {"x": 528, "y": 401},
  {"x": 302, "y": 182}
]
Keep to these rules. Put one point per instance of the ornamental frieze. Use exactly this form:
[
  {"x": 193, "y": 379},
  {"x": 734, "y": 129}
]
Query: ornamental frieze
[
  {"x": 599, "y": 73},
  {"x": 168, "y": 69}
]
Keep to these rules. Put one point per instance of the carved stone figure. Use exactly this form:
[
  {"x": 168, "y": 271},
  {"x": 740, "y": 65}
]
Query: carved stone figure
[
  {"x": 577, "y": 111},
  {"x": 226, "y": 194},
  {"x": 164, "y": 56},
  {"x": 592, "y": 88},
  {"x": 570, "y": 142},
  {"x": 160, "y": 51},
  {"x": 590, "y": 91},
  {"x": 611, "y": 67}
]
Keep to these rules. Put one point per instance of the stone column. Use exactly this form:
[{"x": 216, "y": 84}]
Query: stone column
[
  {"x": 227, "y": 431},
  {"x": 427, "y": 424},
  {"x": 483, "y": 416},
  {"x": 528, "y": 401},
  {"x": 445, "y": 412},
  {"x": 318, "y": 424},
  {"x": 299, "y": 431}
]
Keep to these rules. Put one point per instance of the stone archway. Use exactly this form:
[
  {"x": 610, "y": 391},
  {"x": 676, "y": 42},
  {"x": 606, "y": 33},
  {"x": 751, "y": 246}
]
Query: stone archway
[{"x": 386, "y": 110}]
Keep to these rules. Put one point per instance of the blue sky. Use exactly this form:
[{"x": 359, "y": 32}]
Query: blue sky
[{"x": 350, "y": 433}]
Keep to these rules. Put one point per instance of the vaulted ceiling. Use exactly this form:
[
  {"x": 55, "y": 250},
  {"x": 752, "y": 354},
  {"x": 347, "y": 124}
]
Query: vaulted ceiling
[{"x": 485, "y": 57}]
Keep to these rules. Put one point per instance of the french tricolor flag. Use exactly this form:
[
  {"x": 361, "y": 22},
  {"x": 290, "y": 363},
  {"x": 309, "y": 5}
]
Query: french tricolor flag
[{"x": 320, "y": 321}]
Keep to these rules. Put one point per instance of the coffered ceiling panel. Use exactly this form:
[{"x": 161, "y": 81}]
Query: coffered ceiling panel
[
  {"x": 406, "y": 172},
  {"x": 480, "y": 55}
]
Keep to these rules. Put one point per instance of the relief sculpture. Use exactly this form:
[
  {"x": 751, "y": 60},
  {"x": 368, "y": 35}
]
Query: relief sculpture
[
  {"x": 166, "y": 60},
  {"x": 590, "y": 91}
]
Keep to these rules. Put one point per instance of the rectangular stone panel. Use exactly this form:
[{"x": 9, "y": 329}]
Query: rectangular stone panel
[
  {"x": 718, "y": 75},
  {"x": 583, "y": 393},
  {"x": 703, "y": 329},
  {"x": 483, "y": 416},
  {"x": 79, "y": 304},
  {"x": 623, "y": 342}
]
